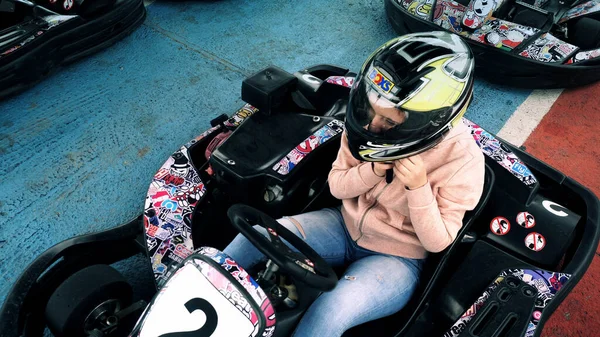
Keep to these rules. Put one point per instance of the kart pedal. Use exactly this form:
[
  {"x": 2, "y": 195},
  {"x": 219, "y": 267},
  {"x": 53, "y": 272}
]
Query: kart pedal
[{"x": 506, "y": 312}]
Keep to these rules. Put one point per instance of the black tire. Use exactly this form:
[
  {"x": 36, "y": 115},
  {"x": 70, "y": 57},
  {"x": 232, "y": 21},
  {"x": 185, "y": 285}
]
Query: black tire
[{"x": 78, "y": 295}]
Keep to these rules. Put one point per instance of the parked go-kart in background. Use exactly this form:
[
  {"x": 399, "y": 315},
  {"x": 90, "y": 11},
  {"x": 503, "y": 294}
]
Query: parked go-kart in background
[
  {"x": 532, "y": 43},
  {"x": 36, "y": 37}
]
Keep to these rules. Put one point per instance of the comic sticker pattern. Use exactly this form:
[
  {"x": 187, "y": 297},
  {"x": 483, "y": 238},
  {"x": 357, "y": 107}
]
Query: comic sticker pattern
[
  {"x": 173, "y": 193},
  {"x": 51, "y": 22},
  {"x": 419, "y": 8},
  {"x": 462, "y": 322},
  {"x": 448, "y": 15},
  {"x": 287, "y": 163},
  {"x": 497, "y": 151},
  {"x": 234, "y": 121},
  {"x": 547, "y": 283},
  {"x": 548, "y": 48},
  {"x": 344, "y": 81},
  {"x": 502, "y": 34},
  {"x": 580, "y": 10},
  {"x": 239, "y": 116},
  {"x": 584, "y": 56},
  {"x": 233, "y": 295},
  {"x": 478, "y": 12}
]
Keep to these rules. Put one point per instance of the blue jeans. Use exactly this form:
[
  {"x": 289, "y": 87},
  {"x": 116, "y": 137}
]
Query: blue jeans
[{"x": 375, "y": 285}]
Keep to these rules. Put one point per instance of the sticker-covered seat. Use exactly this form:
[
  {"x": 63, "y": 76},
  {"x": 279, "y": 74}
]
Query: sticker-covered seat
[{"x": 211, "y": 295}]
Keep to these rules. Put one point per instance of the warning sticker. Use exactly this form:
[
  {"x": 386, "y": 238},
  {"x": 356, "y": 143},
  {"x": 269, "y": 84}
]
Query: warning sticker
[
  {"x": 525, "y": 219},
  {"x": 68, "y": 4},
  {"x": 500, "y": 225},
  {"x": 535, "y": 241}
]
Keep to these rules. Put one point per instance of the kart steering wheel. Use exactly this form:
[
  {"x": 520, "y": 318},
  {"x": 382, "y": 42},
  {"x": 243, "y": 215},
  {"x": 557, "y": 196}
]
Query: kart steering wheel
[{"x": 305, "y": 265}]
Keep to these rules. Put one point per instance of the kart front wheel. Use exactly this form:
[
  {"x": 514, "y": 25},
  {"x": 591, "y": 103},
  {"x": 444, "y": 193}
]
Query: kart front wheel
[{"x": 88, "y": 302}]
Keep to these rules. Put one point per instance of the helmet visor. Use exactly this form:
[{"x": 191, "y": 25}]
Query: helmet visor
[{"x": 379, "y": 115}]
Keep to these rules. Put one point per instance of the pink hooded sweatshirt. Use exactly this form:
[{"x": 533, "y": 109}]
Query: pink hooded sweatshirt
[{"x": 390, "y": 219}]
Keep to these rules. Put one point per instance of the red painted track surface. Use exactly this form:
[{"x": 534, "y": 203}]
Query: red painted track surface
[{"x": 568, "y": 139}]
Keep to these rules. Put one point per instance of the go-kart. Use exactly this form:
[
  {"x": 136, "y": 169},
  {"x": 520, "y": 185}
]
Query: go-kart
[
  {"x": 38, "y": 36},
  {"x": 519, "y": 253},
  {"x": 526, "y": 43}
]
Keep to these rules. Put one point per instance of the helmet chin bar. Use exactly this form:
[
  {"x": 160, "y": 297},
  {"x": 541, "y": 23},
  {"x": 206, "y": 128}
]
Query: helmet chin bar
[{"x": 381, "y": 152}]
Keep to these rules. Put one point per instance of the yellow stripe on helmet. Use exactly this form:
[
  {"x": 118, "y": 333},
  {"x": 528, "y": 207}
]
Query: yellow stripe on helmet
[{"x": 439, "y": 90}]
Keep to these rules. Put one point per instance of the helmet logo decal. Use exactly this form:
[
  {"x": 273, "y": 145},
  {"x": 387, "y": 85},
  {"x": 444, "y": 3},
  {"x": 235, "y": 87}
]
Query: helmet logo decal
[{"x": 381, "y": 81}]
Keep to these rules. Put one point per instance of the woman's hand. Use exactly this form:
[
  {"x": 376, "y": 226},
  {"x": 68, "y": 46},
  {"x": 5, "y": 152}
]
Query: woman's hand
[
  {"x": 379, "y": 168},
  {"x": 411, "y": 172}
]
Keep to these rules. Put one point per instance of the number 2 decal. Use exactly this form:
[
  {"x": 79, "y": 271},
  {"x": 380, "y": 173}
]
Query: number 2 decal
[{"x": 211, "y": 319}]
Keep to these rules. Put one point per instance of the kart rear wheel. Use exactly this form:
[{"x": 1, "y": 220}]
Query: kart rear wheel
[{"x": 87, "y": 300}]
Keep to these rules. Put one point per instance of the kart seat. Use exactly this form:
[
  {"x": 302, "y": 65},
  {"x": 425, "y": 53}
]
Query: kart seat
[
  {"x": 585, "y": 33},
  {"x": 430, "y": 277},
  {"x": 338, "y": 109}
]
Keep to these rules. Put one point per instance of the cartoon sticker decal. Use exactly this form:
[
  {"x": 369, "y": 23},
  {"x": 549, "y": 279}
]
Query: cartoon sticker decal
[
  {"x": 535, "y": 241},
  {"x": 467, "y": 316},
  {"x": 171, "y": 198},
  {"x": 525, "y": 219},
  {"x": 502, "y": 34},
  {"x": 548, "y": 48},
  {"x": 186, "y": 275},
  {"x": 244, "y": 112},
  {"x": 448, "y": 15},
  {"x": 499, "y": 152},
  {"x": 584, "y": 56},
  {"x": 234, "y": 121},
  {"x": 419, "y": 8},
  {"x": 500, "y": 226},
  {"x": 478, "y": 12},
  {"x": 547, "y": 283},
  {"x": 344, "y": 81},
  {"x": 580, "y": 10},
  {"x": 224, "y": 286},
  {"x": 287, "y": 163}
]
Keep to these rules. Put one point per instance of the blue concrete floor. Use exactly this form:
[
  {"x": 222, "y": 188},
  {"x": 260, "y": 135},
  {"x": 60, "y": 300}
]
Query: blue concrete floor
[{"x": 79, "y": 149}]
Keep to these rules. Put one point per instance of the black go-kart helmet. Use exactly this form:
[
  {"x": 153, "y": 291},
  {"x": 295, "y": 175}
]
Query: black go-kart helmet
[{"x": 408, "y": 94}]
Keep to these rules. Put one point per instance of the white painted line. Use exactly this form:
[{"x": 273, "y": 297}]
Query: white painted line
[{"x": 528, "y": 115}]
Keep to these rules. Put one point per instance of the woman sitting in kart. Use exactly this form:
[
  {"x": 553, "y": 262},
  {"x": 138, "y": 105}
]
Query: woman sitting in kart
[{"x": 404, "y": 122}]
